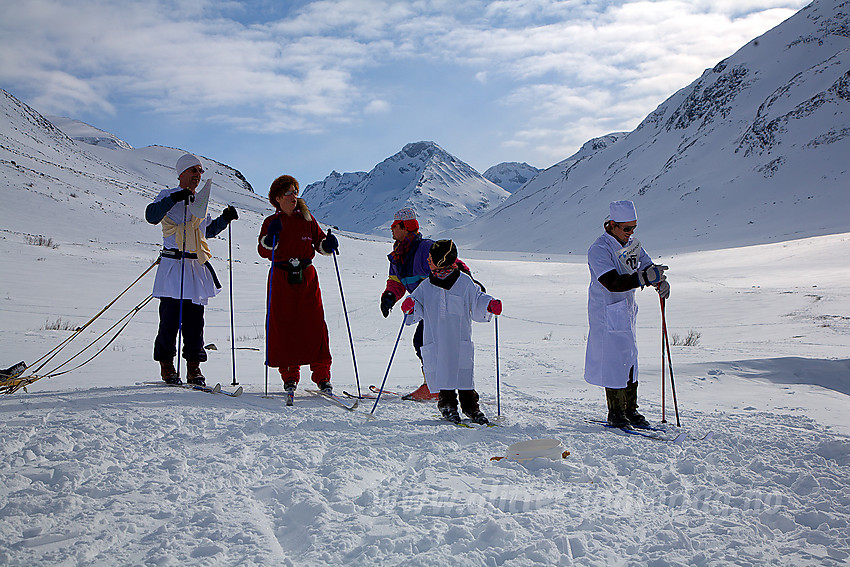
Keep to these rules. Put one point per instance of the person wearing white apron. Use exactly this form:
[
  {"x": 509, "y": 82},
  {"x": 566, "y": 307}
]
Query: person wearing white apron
[
  {"x": 184, "y": 279},
  {"x": 448, "y": 301},
  {"x": 618, "y": 265}
]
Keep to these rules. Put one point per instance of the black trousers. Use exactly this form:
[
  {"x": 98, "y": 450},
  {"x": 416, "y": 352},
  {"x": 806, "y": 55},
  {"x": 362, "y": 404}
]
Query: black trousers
[
  {"x": 165, "y": 345},
  {"x": 418, "y": 338}
]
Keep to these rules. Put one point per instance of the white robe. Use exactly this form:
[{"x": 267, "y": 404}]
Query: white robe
[
  {"x": 612, "y": 341},
  {"x": 198, "y": 284},
  {"x": 447, "y": 349}
]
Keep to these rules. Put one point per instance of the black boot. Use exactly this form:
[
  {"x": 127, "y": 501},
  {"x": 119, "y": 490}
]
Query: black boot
[
  {"x": 469, "y": 406},
  {"x": 447, "y": 404},
  {"x": 616, "y": 398},
  {"x": 636, "y": 419}
]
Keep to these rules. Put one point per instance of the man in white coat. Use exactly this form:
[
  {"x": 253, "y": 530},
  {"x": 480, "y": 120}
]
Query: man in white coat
[
  {"x": 448, "y": 301},
  {"x": 618, "y": 265},
  {"x": 184, "y": 279}
]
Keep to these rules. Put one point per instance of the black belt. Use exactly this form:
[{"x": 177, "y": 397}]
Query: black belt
[
  {"x": 175, "y": 254},
  {"x": 293, "y": 265}
]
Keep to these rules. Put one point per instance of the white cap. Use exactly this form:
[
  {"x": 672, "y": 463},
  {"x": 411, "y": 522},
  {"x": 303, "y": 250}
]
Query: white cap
[
  {"x": 185, "y": 162},
  {"x": 622, "y": 211}
]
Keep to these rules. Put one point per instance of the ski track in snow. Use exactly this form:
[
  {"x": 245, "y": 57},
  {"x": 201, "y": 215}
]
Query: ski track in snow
[{"x": 107, "y": 476}]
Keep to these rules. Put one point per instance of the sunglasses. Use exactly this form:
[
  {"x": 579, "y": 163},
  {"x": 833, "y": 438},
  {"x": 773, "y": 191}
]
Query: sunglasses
[
  {"x": 627, "y": 228},
  {"x": 290, "y": 192}
]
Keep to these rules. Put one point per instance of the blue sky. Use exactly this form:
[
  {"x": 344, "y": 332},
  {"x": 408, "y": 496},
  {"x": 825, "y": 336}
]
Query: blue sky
[{"x": 303, "y": 87}]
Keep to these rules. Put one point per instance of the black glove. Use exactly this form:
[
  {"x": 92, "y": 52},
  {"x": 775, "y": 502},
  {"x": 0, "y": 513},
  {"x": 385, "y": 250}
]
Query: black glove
[
  {"x": 387, "y": 301},
  {"x": 181, "y": 195},
  {"x": 229, "y": 214},
  {"x": 275, "y": 227},
  {"x": 330, "y": 244}
]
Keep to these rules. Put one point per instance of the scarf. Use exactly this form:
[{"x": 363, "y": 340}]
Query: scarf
[
  {"x": 195, "y": 241},
  {"x": 444, "y": 278},
  {"x": 443, "y": 273},
  {"x": 401, "y": 247}
]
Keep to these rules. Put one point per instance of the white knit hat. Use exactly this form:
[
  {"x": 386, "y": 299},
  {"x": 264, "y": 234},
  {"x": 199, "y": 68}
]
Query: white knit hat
[
  {"x": 185, "y": 162},
  {"x": 622, "y": 211},
  {"x": 407, "y": 217}
]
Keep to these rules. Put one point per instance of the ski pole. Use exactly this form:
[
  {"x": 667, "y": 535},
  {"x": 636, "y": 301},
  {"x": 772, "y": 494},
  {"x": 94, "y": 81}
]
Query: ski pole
[
  {"x": 498, "y": 396},
  {"x": 387, "y": 373},
  {"x": 182, "y": 273},
  {"x": 269, "y": 310},
  {"x": 669, "y": 361},
  {"x": 663, "y": 368},
  {"x": 347, "y": 324},
  {"x": 232, "y": 326}
]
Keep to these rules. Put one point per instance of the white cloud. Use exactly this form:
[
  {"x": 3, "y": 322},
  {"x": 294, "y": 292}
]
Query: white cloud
[
  {"x": 377, "y": 107},
  {"x": 553, "y": 62}
]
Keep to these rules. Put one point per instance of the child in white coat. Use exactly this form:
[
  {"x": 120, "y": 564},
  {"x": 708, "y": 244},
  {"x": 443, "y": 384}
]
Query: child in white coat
[{"x": 448, "y": 301}]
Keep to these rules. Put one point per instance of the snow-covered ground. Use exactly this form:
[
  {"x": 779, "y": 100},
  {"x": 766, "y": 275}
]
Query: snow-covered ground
[{"x": 99, "y": 469}]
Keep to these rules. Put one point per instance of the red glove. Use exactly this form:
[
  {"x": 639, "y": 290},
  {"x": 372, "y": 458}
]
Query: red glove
[
  {"x": 407, "y": 306},
  {"x": 495, "y": 307}
]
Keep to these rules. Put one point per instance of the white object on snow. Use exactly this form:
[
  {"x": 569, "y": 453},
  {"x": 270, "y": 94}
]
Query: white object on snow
[{"x": 527, "y": 450}]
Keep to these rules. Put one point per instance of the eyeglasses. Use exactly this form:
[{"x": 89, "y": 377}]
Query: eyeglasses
[
  {"x": 196, "y": 169},
  {"x": 627, "y": 228}
]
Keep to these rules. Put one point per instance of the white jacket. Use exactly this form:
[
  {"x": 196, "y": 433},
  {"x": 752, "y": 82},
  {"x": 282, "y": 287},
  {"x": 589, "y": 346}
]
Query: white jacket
[
  {"x": 447, "y": 349},
  {"x": 612, "y": 342}
]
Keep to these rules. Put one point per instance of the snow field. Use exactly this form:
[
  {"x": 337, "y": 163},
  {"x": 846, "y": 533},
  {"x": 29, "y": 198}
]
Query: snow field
[
  {"x": 158, "y": 476},
  {"x": 97, "y": 469}
]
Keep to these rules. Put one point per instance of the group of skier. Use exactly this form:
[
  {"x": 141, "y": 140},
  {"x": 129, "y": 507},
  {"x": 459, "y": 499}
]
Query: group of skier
[{"x": 442, "y": 297}]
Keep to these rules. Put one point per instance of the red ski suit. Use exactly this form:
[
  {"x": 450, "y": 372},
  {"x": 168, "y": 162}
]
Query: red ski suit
[{"x": 297, "y": 332}]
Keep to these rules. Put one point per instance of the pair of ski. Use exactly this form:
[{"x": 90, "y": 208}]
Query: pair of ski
[
  {"x": 333, "y": 398},
  {"x": 209, "y": 390},
  {"x": 656, "y": 433},
  {"x": 469, "y": 424},
  {"x": 374, "y": 394}
]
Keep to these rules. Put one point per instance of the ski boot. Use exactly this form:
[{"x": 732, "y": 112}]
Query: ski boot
[
  {"x": 289, "y": 386},
  {"x": 422, "y": 393},
  {"x": 450, "y": 414},
  {"x": 326, "y": 388},
  {"x": 616, "y": 398},
  {"x": 447, "y": 405},
  {"x": 169, "y": 373},
  {"x": 479, "y": 418},
  {"x": 635, "y": 419},
  {"x": 469, "y": 405},
  {"x": 193, "y": 374}
]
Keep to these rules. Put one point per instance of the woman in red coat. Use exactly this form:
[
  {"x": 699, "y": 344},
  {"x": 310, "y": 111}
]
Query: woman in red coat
[{"x": 297, "y": 333}]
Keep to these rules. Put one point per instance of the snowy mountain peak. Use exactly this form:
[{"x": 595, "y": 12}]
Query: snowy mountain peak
[
  {"x": 511, "y": 175},
  {"x": 88, "y": 134},
  {"x": 444, "y": 191}
]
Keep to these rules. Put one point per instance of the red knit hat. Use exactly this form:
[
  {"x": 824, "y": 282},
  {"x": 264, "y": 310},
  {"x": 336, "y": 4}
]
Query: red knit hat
[{"x": 407, "y": 218}]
